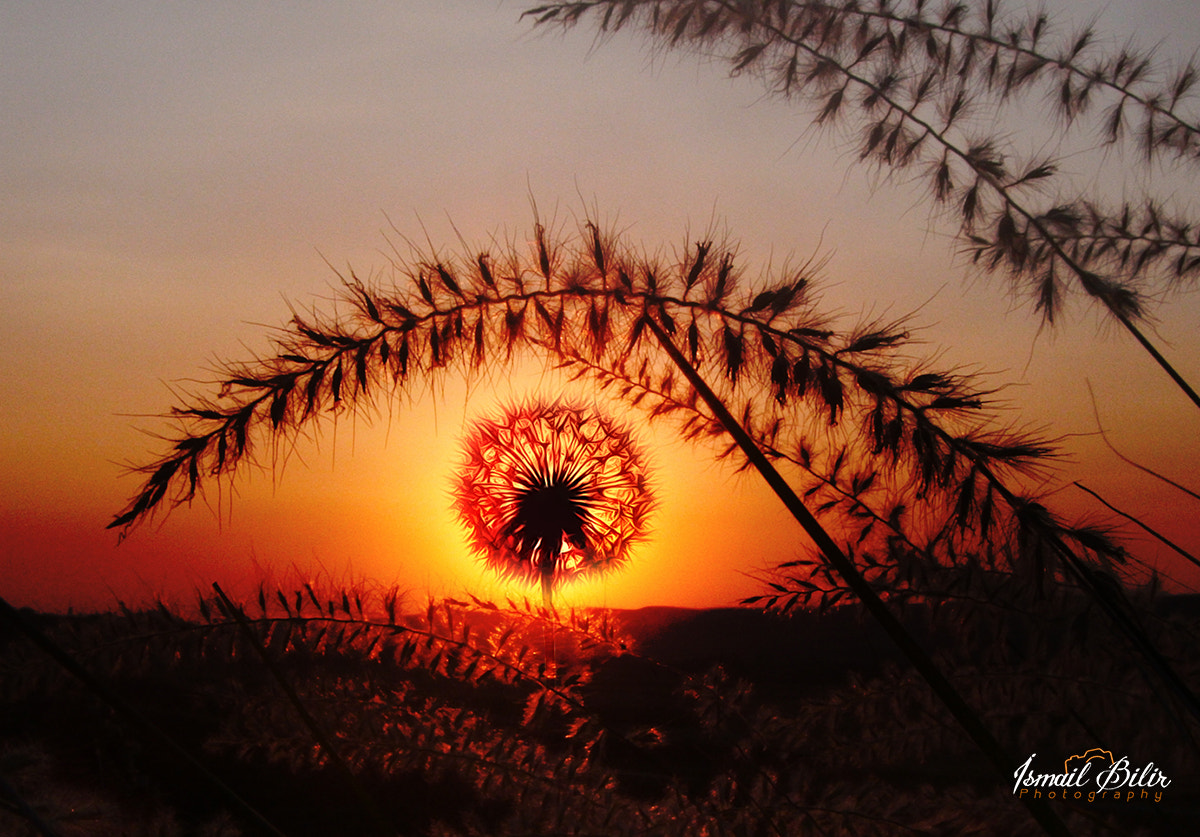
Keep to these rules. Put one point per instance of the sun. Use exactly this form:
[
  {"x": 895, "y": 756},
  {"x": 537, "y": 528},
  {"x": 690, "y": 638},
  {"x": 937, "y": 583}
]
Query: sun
[{"x": 550, "y": 492}]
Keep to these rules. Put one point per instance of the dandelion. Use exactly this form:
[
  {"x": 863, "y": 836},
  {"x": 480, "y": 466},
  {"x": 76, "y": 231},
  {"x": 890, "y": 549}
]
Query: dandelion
[{"x": 551, "y": 492}]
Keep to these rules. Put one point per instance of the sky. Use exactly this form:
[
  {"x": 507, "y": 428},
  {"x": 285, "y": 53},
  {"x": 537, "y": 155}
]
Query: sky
[{"x": 175, "y": 176}]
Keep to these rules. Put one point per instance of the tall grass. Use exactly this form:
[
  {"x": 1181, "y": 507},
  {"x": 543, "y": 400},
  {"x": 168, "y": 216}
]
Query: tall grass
[
  {"x": 925, "y": 89},
  {"x": 447, "y": 716}
]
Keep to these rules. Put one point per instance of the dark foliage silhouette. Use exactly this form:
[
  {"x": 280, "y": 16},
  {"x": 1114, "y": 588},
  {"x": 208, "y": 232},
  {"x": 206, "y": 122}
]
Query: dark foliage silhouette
[
  {"x": 905, "y": 461},
  {"x": 925, "y": 88},
  {"x": 683, "y": 723}
]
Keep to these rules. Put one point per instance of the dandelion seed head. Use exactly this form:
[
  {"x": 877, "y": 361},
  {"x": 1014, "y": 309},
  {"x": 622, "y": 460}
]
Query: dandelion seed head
[{"x": 549, "y": 492}]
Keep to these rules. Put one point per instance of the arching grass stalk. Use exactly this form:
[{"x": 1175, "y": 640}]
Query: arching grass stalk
[{"x": 920, "y": 659}]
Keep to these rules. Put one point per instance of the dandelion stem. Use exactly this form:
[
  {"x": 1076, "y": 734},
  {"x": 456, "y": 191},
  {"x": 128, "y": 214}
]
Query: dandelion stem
[
  {"x": 963, "y": 713},
  {"x": 548, "y": 628}
]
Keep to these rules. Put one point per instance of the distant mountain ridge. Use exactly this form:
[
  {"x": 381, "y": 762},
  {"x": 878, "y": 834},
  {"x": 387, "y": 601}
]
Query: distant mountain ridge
[{"x": 800, "y": 651}]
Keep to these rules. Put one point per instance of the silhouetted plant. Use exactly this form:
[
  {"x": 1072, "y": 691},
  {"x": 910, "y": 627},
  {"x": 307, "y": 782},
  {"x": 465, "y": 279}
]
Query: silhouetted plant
[
  {"x": 922, "y": 88},
  {"x": 550, "y": 492},
  {"x": 941, "y": 513},
  {"x": 587, "y": 300},
  {"x": 447, "y": 715}
]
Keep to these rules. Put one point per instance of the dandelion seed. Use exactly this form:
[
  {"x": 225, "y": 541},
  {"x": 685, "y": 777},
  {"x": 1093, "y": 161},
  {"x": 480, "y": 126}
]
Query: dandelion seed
[{"x": 550, "y": 492}]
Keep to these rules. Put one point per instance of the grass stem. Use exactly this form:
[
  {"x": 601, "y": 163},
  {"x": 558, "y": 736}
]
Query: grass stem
[{"x": 920, "y": 659}]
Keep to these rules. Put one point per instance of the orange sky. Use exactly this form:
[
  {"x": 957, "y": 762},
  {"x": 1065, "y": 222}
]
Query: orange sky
[{"x": 173, "y": 177}]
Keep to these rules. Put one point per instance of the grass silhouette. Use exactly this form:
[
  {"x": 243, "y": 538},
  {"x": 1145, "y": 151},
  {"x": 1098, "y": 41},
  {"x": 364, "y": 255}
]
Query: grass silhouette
[
  {"x": 925, "y": 89},
  {"x": 672, "y": 722}
]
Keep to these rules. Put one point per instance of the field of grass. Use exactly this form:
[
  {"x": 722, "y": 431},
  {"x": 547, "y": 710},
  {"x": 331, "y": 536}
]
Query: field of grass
[{"x": 338, "y": 715}]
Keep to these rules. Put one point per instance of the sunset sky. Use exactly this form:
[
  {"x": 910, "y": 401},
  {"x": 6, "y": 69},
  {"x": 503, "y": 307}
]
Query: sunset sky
[{"x": 174, "y": 176}]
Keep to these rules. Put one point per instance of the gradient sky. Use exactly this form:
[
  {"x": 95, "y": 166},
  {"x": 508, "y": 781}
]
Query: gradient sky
[{"x": 174, "y": 175}]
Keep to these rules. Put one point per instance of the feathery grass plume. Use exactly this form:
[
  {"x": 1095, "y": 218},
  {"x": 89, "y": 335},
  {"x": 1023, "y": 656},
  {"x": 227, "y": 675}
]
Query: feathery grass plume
[
  {"x": 944, "y": 497},
  {"x": 804, "y": 388},
  {"x": 916, "y": 84}
]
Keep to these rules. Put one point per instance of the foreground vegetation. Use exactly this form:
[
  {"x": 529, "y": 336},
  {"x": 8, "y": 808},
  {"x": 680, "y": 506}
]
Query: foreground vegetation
[{"x": 339, "y": 714}]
